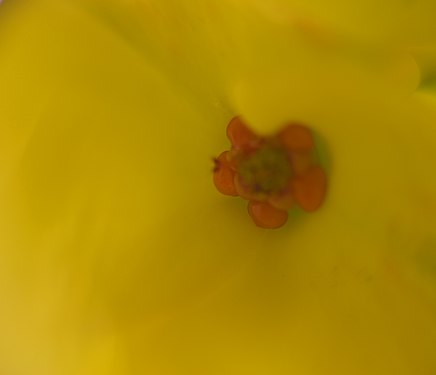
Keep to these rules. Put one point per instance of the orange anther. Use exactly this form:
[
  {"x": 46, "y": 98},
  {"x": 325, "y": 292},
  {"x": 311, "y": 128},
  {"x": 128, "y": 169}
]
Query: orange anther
[
  {"x": 266, "y": 216},
  {"x": 310, "y": 188},
  {"x": 224, "y": 176},
  {"x": 297, "y": 138},
  {"x": 240, "y": 135}
]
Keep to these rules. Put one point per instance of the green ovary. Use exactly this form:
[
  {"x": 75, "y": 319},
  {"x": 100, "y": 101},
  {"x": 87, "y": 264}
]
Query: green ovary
[{"x": 267, "y": 171}]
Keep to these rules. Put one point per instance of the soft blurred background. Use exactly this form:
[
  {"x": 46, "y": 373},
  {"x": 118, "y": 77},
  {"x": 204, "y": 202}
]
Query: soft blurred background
[{"x": 117, "y": 255}]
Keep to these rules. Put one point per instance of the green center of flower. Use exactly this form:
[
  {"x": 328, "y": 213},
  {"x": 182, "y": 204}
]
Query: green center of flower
[{"x": 268, "y": 170}]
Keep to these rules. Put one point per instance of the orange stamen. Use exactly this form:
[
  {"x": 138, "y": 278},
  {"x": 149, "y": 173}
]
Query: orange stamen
[
  {"x": 297, "y": 138},
  {"x": 266, "y": 216},
  {"x": 240, "y": 135},
  {"x": 310, "y": 188},
  {"x": 224, "y": 176}
]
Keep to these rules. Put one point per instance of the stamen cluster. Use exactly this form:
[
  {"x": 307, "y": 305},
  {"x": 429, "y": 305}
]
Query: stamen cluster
[{"x": 274, "y": 173}]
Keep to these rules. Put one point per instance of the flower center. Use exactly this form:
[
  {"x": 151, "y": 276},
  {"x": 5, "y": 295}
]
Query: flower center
[
  {"x": 274, "y": 174},
  {"x": 267, "y": 170}
]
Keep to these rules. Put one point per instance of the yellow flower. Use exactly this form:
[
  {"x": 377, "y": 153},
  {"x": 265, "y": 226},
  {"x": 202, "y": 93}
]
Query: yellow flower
[{"x": 118, "y": 256}]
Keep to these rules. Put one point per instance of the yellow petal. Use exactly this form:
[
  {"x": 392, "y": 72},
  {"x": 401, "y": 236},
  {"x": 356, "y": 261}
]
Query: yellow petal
[{"x": 117, "y": 254}]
